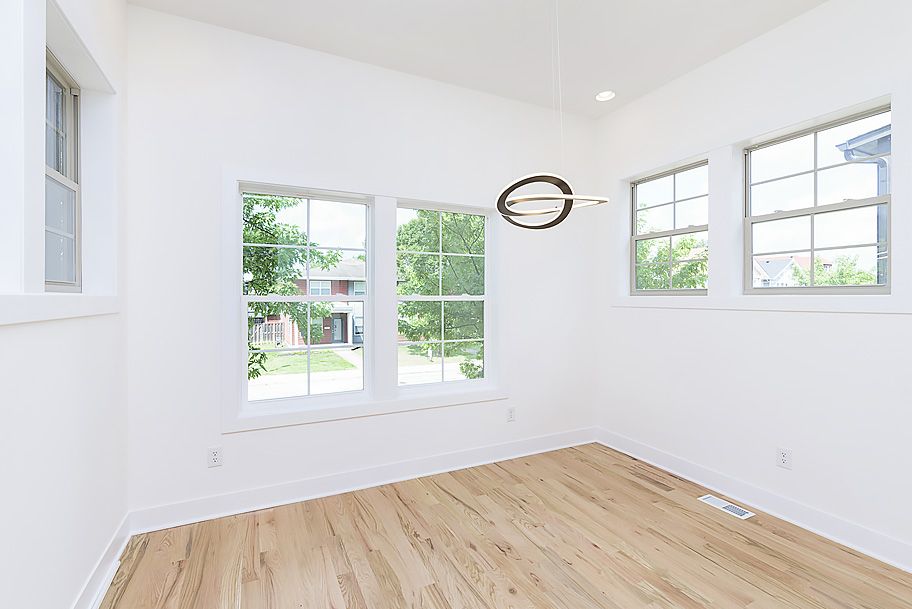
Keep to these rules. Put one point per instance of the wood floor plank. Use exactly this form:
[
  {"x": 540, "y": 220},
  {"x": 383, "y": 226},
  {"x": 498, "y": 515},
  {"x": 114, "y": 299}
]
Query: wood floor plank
[{"x": 582, "y": 527}]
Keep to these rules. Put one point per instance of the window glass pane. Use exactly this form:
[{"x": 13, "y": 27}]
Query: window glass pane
[
  {"x": 55, "y": 147},
  {"x": 850, "y": 266},
  {"x": 850, "y": 227},
  {"x": 336, "y": 369},
  {"x": 690, "y": 246},
  {"x": 692, "y": 213},
  {"x": 274, "y": 220},
  {"x": 692, "y": 183},
  {"x": 653, "y": 277},
  {"x": 782, "y": 270},
  {"x": 463, "y": 233},
  {"x": 338, "y": 225},
  {"x": 689, "y": 275},
  {"x": 276, "y": 271},
  {"x": 420, "y": 320},
  {"x": 418, "y": 274},
  {"x": 420, "y": 363},
  {"x": 860, "y": 138},
  {"x": 463, "y": 361},
  {"x": 59, "y": 258},
  {"x": 854, "y": 181},
  {"x": 789, "y": 157},
  {"x": 274, "y": 325},
  {"x": 418, "y": 230},
  {"x": 463, "y": 275},
  {"x": 279, "y": 374},
  {"x": 462, "y": 320},
  {"x": 342, "y": 267},
  {"x": 336, "y": 322},
  {"x": 655, "y": 192},
  {"x": 782, "y": 235},
  {"x": 59, "y": 207},
  {"x": 782, "y": 195},
  {"x": 655, "y": 219},
  {"x": 653, "y": 250}
]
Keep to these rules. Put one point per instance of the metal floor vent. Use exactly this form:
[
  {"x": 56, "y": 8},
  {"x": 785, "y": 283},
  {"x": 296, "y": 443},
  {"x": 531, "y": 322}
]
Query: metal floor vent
[{"x": 725, "y": 506}]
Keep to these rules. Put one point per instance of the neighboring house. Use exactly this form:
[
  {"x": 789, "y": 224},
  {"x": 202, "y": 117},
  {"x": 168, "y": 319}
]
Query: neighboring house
[
  {"x": 778, "y": 271},
  {"x": 346, "y": 323}
]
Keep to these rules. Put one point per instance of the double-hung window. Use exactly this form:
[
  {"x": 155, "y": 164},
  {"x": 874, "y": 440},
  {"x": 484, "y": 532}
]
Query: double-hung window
[
  {"x": 62, "y": 269},
  {"x": 441, "y": 292},
  {"x": 670, "y": 222},
  {"x": 303, "y": 341},
  {"x": 818, "y": 209}
]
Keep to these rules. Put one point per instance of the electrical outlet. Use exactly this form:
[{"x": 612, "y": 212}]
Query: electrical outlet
[
  {"x": 511, "y": 414},
  {"x": 214, "y": 456},
  {"x": 784, "y": 458}
]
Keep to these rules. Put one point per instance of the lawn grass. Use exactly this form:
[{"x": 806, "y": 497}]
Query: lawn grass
[{"x": 295, "y": 362}]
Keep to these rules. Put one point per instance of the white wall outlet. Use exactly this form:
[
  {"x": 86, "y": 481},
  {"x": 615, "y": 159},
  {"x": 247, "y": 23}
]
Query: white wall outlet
[
  {"x": 511, "y": 414},
  {"x": 214, "y": 456},
  {"x": 784, "y": 457}
]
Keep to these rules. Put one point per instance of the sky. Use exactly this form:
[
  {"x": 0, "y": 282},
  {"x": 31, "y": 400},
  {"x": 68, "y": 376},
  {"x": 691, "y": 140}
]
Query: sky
[{"x": 332, "y": 224}]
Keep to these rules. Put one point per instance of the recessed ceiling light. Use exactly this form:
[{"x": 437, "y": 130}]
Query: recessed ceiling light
[{"x": 605, "y": 96}]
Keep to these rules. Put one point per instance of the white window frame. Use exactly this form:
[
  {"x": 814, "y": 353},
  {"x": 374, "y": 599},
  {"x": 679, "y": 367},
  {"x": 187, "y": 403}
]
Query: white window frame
[
  {"x": 485, "y": 298},
  {"x": 634, "y": 291},
  {"x": 72, "y": 178},
  {"x": 381, "y": 394},
  {"x": 304, "y": 401},
  {"x": 812, "y": 212}
]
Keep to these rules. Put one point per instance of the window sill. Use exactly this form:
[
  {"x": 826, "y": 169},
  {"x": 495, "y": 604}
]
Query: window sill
[
  {"x": 30, "y": 308},
  {"x": 292, "y": 413},
  {"x": 804, "y": 303}
]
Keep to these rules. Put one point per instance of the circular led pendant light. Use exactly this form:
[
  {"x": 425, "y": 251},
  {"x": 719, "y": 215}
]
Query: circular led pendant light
[
  {"x": 561, "y": 204},
  {"x": 568, "y": 201}
]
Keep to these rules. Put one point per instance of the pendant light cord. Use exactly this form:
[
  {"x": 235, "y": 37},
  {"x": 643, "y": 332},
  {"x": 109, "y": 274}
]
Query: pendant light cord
[{"x": 560, "y": 90}]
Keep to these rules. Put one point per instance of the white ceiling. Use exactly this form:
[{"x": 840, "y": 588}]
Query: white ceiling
[{"x": 504, "y": 47}]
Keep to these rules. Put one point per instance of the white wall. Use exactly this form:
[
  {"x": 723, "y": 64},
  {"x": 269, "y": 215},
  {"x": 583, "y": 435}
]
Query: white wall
[
  {"x": 720, "y": 382},
  {"x": 62, "y": 383},
  {"x": 206, "y": 103}
]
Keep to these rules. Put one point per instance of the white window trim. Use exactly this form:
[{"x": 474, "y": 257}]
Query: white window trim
[
  {"x": 23, "y": 294},
  {"x": 727, "y": 240},
  {"x": 749, "y": 220},
  {"x": 634, "y": 237},
  {"x": 381, "y": 394}
]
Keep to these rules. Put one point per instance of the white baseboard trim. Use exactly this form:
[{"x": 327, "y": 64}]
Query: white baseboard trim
[
  {"x": 95, "y": 587},
  {"x": 206, "y": 508},
  {"x": 872, "y": 543}
]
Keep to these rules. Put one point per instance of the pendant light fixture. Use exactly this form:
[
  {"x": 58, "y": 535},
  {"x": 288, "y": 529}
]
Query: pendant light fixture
[{"x": 556, "y": 206}]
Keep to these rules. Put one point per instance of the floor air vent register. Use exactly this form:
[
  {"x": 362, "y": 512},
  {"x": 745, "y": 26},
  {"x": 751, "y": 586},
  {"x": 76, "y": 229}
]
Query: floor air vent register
[{"x": 725, "y": 506}]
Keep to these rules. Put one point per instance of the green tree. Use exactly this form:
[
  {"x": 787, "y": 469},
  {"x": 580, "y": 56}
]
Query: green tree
[
  {"x": 844, "y": 271},
  {"x": 421, "y": 273},
  {"x": 278, "y": 271},
  {"x": 655, "y": 270}
]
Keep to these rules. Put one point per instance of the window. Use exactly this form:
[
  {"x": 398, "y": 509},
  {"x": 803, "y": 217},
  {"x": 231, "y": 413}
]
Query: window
[
  {"x": 441, "y": 290},
  {"x": 320, "y": 287},
  {"x": 669, "y": 248},
  {"x": 358, "y": 288},
  {"x": 818, "y": 208},
  {"x": 62, "y": 270},
  {"x": 302, "y": 341}
]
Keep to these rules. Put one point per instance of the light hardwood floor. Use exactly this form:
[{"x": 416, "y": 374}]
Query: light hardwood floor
[{"x": 575, "y": 528}]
